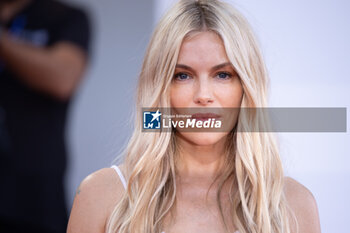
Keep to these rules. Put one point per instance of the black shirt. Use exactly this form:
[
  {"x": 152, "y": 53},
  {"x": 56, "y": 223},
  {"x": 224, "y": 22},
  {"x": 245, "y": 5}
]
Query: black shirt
[{"x": 32, "y": 124}]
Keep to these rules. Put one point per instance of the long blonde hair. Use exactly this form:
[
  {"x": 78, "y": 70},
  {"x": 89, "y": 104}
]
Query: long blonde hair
[{"x": 252, "y": 159}]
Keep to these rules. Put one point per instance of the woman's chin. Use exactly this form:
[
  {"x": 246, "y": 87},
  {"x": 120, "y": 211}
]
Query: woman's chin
[{"x": 203, "y": 138}]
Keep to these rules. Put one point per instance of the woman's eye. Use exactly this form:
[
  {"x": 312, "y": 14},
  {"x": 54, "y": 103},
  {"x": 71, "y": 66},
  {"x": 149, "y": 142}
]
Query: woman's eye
[
  {"x": 224, "y": 75},
  {"x": 181, "y": 76}
]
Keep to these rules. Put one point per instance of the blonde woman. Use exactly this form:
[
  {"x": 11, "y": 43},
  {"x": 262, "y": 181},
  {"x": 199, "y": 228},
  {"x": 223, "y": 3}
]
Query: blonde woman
[{"x": 202, "y": 54}]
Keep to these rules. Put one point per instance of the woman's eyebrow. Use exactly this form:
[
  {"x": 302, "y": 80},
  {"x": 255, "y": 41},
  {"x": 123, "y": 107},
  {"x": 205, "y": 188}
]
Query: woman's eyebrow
[
  {"x": 182, "y": 66},
  {"x": 222, "y": 65}
]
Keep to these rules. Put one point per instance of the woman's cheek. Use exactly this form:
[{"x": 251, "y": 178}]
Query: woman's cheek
[
  {"x": 180, "y": 96},
  {"x": 229, "y": 96}
]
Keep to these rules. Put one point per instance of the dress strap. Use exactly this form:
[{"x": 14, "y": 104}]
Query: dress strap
[{"x": 119, "y": 172}]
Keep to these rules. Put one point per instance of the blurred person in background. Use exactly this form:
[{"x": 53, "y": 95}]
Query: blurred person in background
[{"x": 43, "y": 54}]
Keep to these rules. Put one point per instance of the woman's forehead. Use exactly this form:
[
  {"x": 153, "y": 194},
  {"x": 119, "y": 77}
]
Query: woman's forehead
[{"x": 202, "y": 47}]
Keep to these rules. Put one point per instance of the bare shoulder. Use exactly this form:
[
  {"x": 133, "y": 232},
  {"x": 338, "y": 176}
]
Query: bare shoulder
[
  {"x": 303, "y": 203},
  {"x": 94, "y": 201}
]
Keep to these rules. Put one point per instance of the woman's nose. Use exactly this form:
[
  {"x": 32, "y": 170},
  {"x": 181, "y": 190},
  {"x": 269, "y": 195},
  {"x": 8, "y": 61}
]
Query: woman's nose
[{"x": 203, "y": 92}]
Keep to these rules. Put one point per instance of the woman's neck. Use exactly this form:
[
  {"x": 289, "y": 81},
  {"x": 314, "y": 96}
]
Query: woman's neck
[{"x": 199, "y": 162}]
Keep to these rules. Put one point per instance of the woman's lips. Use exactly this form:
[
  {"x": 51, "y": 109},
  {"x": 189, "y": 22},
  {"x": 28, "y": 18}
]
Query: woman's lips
[{"x": 205, "y": 116}]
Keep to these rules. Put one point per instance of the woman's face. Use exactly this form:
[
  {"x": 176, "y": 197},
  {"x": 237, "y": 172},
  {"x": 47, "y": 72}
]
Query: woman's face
[{"x": 204, "y": 78}]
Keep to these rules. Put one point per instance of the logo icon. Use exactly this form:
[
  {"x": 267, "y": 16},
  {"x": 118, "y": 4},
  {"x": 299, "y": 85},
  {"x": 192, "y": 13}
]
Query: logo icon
[{"x": 151, "y": 120}]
